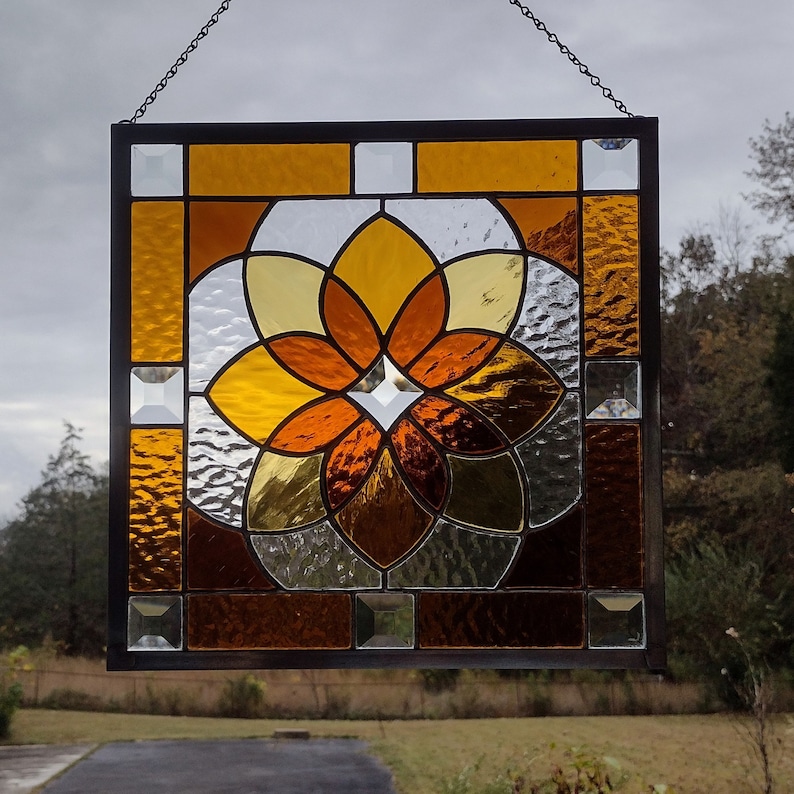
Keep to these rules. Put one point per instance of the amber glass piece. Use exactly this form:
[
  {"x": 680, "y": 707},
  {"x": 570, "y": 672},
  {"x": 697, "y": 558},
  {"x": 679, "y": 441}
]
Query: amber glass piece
[
  {"x": 455, "y": 427},
  {"x": 551, "y": 556},
  {"x": 279, "y": 621},
  {"x": 155, "y": 510},
  {"x": 383, "y": 520},
  {"x": 548, "y": 227},
  {"x": 513, "y": 390},
  {"x": 485, "y": 291},
  {"x": 349, "y": 325},
  {"x": 611, "y": 275},
  {"x": 487, "y": 493},
  {"x": 157, "y": 280},
  {"x": 420, "y": 322},
  {"x": 614, "y": 506},
  {"x": 382, "y": 265},
  {"x": 501, "y": 620},
  {"x": 219, "y": 229},
  {"x": 284, "y": 493},
  {"x": 284, "y": 294},
  {"x": 255, "y": 394},
  {"x": 316, "y": 426},
  {"x": 421, "y": 463},
  {"x": 314, "y": 361},
  {"x": 453, "y": 357},
  {"x": 218, "y": 559},
  {"x": 350, "y": 461},
  {"x": 507, "y": 166},
  {"x": 270, "y": 169}
]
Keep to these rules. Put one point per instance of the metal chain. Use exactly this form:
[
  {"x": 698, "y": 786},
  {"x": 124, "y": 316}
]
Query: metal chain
[
  {"x": 554, "y": 39},
  {"x": 224, "y": 6}
]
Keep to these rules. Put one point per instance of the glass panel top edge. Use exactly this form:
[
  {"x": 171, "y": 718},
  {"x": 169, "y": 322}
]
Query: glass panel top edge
[{"x": 644, "y": 128}]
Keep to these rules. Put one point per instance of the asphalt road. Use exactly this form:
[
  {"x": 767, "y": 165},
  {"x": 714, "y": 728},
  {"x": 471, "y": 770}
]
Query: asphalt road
[{"x": 277, "y": 766}]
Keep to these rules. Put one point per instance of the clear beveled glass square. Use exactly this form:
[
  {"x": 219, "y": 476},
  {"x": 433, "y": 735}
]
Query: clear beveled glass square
[{"x": 156, "y": 169}]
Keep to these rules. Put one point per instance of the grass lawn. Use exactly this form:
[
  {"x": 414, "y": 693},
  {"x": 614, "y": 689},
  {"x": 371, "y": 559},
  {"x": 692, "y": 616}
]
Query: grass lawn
[{"x": 691, "y": 754}]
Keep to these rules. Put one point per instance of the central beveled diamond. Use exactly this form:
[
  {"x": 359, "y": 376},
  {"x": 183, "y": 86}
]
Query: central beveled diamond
[{"x": 385, "y": 392}]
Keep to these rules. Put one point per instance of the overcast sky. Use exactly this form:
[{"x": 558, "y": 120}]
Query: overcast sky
[{"x": 711, "y": 71}]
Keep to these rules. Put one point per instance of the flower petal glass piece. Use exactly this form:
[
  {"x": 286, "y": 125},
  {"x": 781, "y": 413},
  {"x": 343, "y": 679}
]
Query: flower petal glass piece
[{"x": 377, "y": 395}]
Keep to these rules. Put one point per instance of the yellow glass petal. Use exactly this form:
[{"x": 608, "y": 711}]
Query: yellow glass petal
[
  {"x": 284, "y": 294},
  {"x": 476, "y": 166},
  {"x": 382, "y": 265},
  {"x": 611, "y": 275},
  {"x": 285, "y": 493},
  {"x": 155, "y": 510},
  {"x": 255, "y": 394},
  {"x": 484, "y": 291},
  {"x": 157, "y": 280},
  {"x": 513, "y": 390},
  {"x": 270, "y": 169}
]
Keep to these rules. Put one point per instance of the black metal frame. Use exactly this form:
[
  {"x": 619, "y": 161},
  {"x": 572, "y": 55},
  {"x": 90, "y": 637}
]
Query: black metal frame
[{"x": 645, "y": 131}]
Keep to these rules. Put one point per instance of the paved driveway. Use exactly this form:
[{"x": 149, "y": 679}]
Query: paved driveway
[{"x": 314, "y": 766}]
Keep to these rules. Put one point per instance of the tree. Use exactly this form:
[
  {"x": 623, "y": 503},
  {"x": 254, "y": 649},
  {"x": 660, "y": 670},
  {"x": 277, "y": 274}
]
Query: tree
[
  {"x": 773, "y": 151},
  {"x": 53, "y": 557}
]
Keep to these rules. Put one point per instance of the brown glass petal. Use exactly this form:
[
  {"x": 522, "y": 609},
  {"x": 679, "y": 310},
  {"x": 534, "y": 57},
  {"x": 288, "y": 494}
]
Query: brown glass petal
[
  {"x": 513, "y": 390},
  {"x": 421, "y": 463},
  {"x": 453, "y": 357},
  {"x": 420, "y": 322},
  {"x": 383, "y": 520},
  {"x": 349, "y": 324},
  {"x": 455, "y": 427},
  {"x": 349, "y": 462},
  {"x": 312, "y": 428},
  {"x": 314, "y": 360}
]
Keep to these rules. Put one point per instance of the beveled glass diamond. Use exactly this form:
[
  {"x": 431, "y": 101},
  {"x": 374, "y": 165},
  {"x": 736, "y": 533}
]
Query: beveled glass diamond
[{"x": 385, "y": 392}]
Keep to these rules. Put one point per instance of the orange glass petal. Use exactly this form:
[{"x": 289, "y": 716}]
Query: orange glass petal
[
  {"x": 350, "y": 461},
  {"x": 314, "y": 360},
  {"x": 313, "y": 428},
  {"x": 349, "y": 325},
  {"x": 420, "y": 322},
  {"x": 384, "y": 520},
  {"x": 452, "y": 358},
  {"x": 455, "y": 427},
  {"x": 421, "y": 463}
]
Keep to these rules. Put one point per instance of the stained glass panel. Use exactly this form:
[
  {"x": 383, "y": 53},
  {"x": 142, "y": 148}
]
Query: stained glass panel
[{"x": 377, "y": 398}]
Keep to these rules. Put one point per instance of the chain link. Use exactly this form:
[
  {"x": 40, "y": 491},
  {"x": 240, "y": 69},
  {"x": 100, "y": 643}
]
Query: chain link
[
  {"x": 224, "y": 6},
  {"x": 566, "y": 51}
]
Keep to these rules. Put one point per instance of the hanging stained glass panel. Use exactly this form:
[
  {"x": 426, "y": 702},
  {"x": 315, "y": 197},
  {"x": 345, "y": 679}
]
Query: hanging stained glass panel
[{"x": 376, "y": 395}]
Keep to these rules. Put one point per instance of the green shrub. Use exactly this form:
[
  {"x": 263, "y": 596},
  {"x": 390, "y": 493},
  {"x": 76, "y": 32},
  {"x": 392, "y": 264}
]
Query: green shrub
[
  {"x": 10, "y": 688},
  {"x": 72, "y": 700},
  {"x": 242, "y": 697},
  {"x": 438, "y": 680}
]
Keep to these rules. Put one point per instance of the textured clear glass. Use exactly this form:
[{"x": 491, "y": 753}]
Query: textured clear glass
[
  {"x": 548, "y": 323},
  {"x": 454, "y": 557},
  {"x": 219, "y": 464},
  {"x": 616, "y": 620},
  {"x": 156, "y": 169},
  {"x": 552, "y": 459},
  {"x": 154, "y": 623},
  {"x": 455, "y": 227},
  {"x": 156, "y": 395},
  {"x": 313, "y": 558},
  {"x": 384, "y": 167},
  {"x": 312, "y": 228},
  {"x": 385, "y": 620},
  {"x": 612, "y": 390},
  {"x": 610, "y": 164},
  {"x": 218, "y": 321}
]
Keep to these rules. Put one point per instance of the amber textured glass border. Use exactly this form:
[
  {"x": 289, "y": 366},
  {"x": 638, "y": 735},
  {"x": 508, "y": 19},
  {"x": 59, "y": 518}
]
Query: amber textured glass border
[{"x": 245, "y": 620}]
